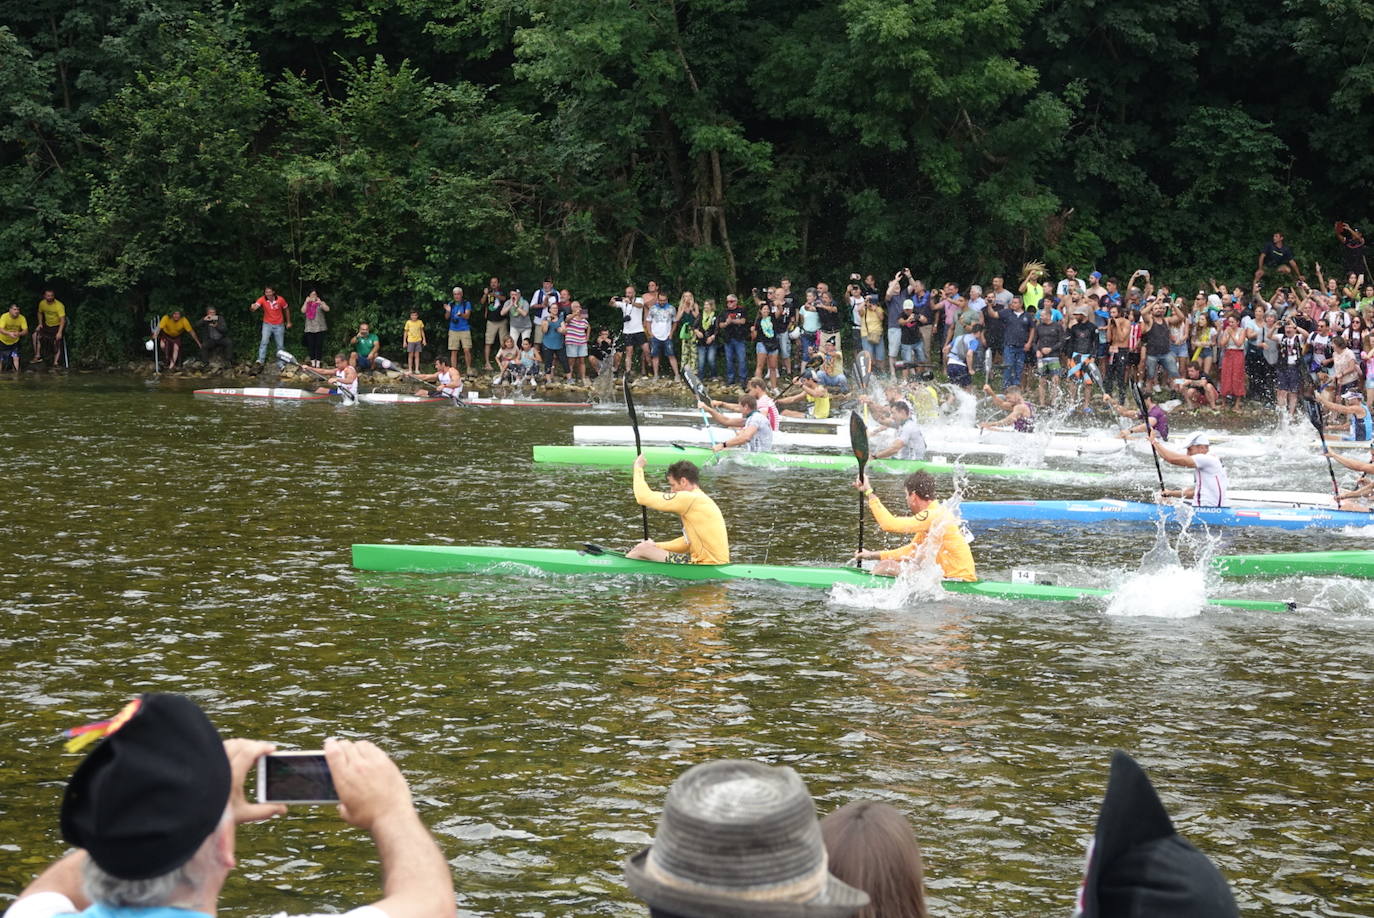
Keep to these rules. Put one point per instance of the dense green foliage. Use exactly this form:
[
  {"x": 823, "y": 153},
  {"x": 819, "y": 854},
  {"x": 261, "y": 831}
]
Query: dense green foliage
[{"x": 174, "y": 153}]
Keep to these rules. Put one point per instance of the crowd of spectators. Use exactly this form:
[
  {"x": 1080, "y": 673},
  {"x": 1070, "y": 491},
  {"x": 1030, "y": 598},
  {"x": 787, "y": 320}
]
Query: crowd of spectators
[{"x": 1215, "y": 344}]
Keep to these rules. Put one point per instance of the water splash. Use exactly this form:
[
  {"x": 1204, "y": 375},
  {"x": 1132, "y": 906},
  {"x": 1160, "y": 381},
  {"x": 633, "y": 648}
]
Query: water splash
[{"x": 1162, "y": 586}]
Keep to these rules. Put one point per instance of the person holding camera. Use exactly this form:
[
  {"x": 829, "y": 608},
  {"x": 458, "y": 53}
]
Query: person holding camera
[
  {"x": 633, "y": 310},
  {"x": 152, "y": 813}
]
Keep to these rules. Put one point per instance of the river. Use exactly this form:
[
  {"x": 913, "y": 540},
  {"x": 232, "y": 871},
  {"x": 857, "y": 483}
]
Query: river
[{"x": 159, "y": 541}]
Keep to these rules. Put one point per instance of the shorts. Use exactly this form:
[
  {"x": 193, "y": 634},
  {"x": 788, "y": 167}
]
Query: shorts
[
  {"x": 575, "y": 350},
  {"x": 1289, "y": 378},
  {"x": 9, "y": 350},
  {"x": 677, "y": 558},
  {"x": 413, "y": 347},
  {"x": 959, "y": 374},
  {"x": 46, "y": 332},
  {"x": 1048, "y": 366},
  {"x": 633, "y": 339},
  {"x": 770, "y": 347},
  {"x": 521, "y": 334},
  {"x": 661, "y": 348},
  {"x": 459, "y": 338},
  {"x": 495, "y": 332},
  {"x": 364, "y": 363},
  {"x": 785, "y": 345},
  {"x": 1101, "y": 349}
]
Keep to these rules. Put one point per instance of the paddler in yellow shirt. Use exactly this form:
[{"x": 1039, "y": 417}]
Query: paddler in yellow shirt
[
  {"x": 703, "y": 539},
  {"x": 929, "y": 520}
]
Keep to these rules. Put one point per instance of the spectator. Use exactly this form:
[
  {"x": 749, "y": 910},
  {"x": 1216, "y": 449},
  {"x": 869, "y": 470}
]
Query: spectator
[
  {"x": 1047, "y": 343},
  {"x": 831, "y": 371},
  {"x": 414, "y": 334},
  {"x": 1275, "y": 256},
  {"x": 734, "y": 331},
  {"x": 497, "y": 307},
  {"x": 662, "y": 317},
  {"x": 1139, "y": 865},
  {"x": 1292, "y": 361},
  {"x": 576, "y": 334},
  {"x": 552, "y": 347},
  {"x": 216, "y": 337},
  {"x": 314, "y": 310},
  {"x": 873, "y": 328},
  {"x": 911, "y": 348},
  {"x": 540, "y": 302},
  {"x": 1195, "y": 388},
  {"x": 688, "y": 319},
  {"x": 1018, "y": 327},
  {"x": 706, "y": 333},
  {"x": 1071, "y": 283},
  {"x": 809, "y": 320},
  {"x": 831, "y": 321},
  {"x": 739, "y": 839},
  {"x": 49, "y": 327},
  {"x": 152, "y": 812},
  {"x": 13, "y": 326},
  {"x": 276, "y": 318},
  {"x": 602, "y": 350},
  {"x": 458, "y": 314},
  {"x": 1231, "y": 341},
  {"x": 507, "y": 362},
  {"x": 521, "y": 325},
  {"x": 366, "y": 346},
  {"x": 170, "y": 328},
  {"x": 1155, "y": 349},
  {"x": 633, "y": 312},
  {"x": 872, "y": 847}
]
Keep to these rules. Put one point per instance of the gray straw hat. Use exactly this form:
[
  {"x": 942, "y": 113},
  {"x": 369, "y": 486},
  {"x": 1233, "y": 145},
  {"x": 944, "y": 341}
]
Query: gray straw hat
[{"x": 739, "y": 839}]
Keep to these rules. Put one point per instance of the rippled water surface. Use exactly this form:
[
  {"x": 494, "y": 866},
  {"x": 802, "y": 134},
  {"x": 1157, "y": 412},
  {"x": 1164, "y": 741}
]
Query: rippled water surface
[{"x": 158, "y": 541}]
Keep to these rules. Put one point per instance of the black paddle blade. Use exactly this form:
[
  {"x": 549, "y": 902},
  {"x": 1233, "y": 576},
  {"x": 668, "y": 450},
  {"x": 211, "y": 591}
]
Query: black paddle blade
[
  {"x": 694, "y": 383},
  {"x": 1140, "y": 400},
  {"x": 1314, "y": 414},
  {"x": 858, "y": 439}
]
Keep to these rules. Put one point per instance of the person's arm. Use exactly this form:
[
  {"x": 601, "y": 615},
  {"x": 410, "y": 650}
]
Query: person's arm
[
  {"x": 286, "y": 313},
  {"x": 376, "y": 346},
  {"x": 996, "y": 399},
  {"x": 1171, "y": 456},
  {"x": 646, "y": 496},
  {"x": 1003, "y": 422},
  {"x": 722, "y": 420},
  {"x": 739, "y": 439},
  {"x": 62, "y": 877},
  {"x": 889, "y": 451},
  {"x": 1356, "y": 465},
  {"x": 416, "y": 880}
]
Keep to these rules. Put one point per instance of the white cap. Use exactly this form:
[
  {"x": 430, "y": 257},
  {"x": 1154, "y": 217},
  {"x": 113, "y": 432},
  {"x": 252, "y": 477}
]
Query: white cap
[
  {"x": 1352, "y": 394},
  {"x": 907, "y": 304},
  {"x": 1197, "y": 439}
]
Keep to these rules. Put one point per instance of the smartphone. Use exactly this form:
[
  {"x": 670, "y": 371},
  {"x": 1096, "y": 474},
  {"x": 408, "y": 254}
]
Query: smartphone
[{"x": 295, "y": 777}]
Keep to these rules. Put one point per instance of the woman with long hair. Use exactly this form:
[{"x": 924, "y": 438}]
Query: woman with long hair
[
  {"x": 872, "y": 847},
  {"x": 1231, "y": 341}
]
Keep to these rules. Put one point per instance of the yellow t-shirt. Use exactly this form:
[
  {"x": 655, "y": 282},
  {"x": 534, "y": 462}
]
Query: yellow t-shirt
[
  {"x": 173, "y": 329},
  {"x": 51, "y": 314},
  {"x": 11, "y": 327},
  {"x": 415, "y": 330},
  {"x": 820, "y": 407},
  {"x": 954, "y": 557},
  {"x": 703, "y": 528}
]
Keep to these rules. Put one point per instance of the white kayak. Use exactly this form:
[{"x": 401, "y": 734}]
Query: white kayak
[
  {"x": 297, "y": 395},
  {"x": 657, "y": 413},
  {"x": 475, "y": 401},
  {"x": 394, "y": 398},
  {"x": 697, "y": 436}
]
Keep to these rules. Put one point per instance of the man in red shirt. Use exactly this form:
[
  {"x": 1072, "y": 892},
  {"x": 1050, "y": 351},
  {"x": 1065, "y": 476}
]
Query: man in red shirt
[{"x": 276, "y": 317}]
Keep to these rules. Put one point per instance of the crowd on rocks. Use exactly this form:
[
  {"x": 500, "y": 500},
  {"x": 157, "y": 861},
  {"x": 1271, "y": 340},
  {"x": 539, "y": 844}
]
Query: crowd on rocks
[
  {"x": 1068, "y": 334},
  {"x": 152, "y": 815}
]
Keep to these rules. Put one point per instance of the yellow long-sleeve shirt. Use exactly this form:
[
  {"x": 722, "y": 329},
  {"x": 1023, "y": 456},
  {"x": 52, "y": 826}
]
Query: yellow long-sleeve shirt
[
  {"x": 954, "y": 556},
  {"x": 703, "y": 528}
]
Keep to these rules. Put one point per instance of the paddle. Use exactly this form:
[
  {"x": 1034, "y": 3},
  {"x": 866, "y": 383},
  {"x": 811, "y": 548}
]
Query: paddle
[
  {"x": 289, "y": 359},
  {"x": 639, "y": 449},
  {"x": 1145, "y": 416},
  {"x": 858, "y": 441},
  {"x": 591, "y": 548},
  {"x": 1314, "y": 414},
  {"x": 702, "y": 396}
]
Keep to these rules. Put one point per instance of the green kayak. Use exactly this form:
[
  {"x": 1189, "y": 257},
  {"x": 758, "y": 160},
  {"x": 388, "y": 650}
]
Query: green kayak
[
  {"x": 1337, "y": 563},
  {"x": 446, "y": 559},
  {"x": 623, "y": 456}
]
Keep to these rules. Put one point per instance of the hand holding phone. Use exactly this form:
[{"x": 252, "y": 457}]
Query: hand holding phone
[{"x": 295, "y": 777}]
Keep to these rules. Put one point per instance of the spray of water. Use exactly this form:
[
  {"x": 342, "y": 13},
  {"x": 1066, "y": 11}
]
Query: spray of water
[{"x": 1162, "y": 586}]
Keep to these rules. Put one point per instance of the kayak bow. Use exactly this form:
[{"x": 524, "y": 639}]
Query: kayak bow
[{"x": 446, "y": 559}]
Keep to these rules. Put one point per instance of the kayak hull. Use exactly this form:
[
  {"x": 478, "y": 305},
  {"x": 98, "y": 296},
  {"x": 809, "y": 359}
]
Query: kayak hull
[
  {"x": 1287, "y": 564},
  {"x": 1094, "y": 512},
  {"x": 521, "y": 403},
  {"x": 447, "y": 559},
  {"x": 283, "y": 394},
  {"x": 392, "y": 398},
  {"x": 617, "y": 456}
]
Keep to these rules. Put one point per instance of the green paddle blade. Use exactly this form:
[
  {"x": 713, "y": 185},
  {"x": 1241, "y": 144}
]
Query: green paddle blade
[{"x": 858, "y": 439}]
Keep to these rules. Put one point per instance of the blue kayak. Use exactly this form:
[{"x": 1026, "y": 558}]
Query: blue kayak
[{"x": 1091, "y": 512}]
